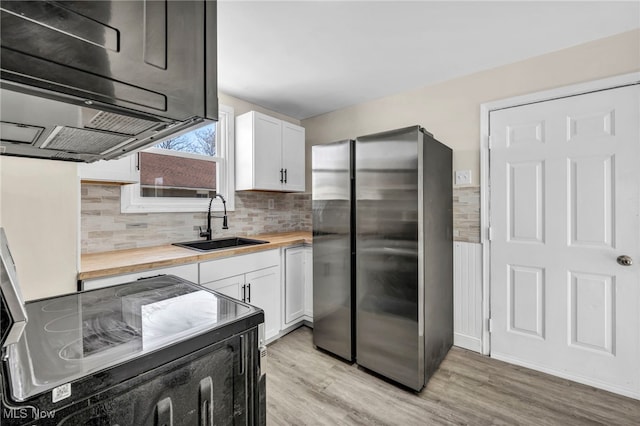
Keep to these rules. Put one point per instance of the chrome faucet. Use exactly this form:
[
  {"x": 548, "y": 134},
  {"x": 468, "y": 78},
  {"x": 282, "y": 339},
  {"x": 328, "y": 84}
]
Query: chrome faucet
[{"x": 207, "y": 234}]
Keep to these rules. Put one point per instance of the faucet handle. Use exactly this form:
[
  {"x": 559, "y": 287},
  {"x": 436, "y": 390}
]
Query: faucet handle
[{"x": 205, "y": 234}]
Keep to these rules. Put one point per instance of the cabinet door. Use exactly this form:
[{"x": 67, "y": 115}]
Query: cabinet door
[
  {"x": 231, "y": 286},
  {"x": 263, "y": 291},
  {"x": 267, "y": 136},
  {"x": 293, "y": 147},
  {"x": 124, "y": 170},
  {"x": 294, "y": 275},
  {"x": 308, "y": 282}
]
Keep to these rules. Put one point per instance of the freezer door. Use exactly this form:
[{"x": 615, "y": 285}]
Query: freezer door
[
  {"x": 390, "y": 338},
  {"x": 332, "y": 248}
]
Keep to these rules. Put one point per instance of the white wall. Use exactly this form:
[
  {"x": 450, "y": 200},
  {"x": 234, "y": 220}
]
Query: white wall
[
  {"x": 451, "y": 110},
  {"x": 240, "y": 107},
  {"x": 39, "y": 211}
]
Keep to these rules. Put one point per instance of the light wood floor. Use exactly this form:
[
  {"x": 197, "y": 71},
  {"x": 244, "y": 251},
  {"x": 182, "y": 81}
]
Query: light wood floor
[{"x": 308, "y": 387}]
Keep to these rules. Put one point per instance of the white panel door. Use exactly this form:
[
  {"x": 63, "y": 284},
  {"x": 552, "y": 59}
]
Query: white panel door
[
  {"x": 267, "y": 155},
  {"x": 565, "y": 183}
]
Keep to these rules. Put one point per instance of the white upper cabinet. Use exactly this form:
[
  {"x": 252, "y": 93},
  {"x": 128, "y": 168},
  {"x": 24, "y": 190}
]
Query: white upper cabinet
[
  {"x": 293, "y": 146},
  {"x": 269, "y": 154},
  {"x": 123, "y": 170}
]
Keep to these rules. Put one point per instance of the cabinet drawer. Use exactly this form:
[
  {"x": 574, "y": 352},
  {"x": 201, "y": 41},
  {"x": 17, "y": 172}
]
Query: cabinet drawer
[
  {"x": 222, "y": 268},
  {"x": 188, "y": 272}
]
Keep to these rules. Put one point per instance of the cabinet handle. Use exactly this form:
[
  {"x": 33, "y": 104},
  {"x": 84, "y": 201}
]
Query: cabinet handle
[
  {"x": 249, "y": 287},
  {"x": 244, "y": 293},
  {"x": 281, "y": 178},
  {"x": 285, "y": 175}
]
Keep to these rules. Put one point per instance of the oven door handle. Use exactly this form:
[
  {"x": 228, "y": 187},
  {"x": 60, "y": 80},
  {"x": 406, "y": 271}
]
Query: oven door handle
[
  {"x": 243, "y": 353},
  {"x": 164, "y": 412},
  {"x": 206, "y": 401}
]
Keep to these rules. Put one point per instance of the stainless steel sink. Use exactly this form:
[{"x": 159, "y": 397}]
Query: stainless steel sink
[{"x": 219, "y": 243}]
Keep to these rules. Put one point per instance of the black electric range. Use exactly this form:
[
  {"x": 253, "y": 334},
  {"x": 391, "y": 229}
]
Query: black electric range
[{"x": 160, "y": 350}]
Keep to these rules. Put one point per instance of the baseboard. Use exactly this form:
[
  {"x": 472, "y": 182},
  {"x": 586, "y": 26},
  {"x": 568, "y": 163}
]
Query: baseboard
[
  {"x": 467, "y": 342},
  {"x": 289, "y": 329},
  {"x": 635, "y": 394}
]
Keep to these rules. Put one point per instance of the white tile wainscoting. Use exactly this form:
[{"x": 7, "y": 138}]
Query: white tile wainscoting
[{"x": 467, "y": 295}]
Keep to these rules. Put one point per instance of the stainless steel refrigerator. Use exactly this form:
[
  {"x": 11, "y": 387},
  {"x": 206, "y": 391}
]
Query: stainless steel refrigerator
[{"x": 382, "y": 252}]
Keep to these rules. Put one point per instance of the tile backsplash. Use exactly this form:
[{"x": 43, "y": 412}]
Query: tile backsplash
[
  {"x": 105, "y": 228},
  {"x": 466, "y": 214}
]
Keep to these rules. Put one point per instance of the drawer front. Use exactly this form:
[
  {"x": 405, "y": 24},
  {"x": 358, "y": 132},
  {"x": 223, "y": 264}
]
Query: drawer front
[{"x": 222, "y": 268}]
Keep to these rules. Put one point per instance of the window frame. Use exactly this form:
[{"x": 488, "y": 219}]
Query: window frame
[{"x": 132, "y": 202}]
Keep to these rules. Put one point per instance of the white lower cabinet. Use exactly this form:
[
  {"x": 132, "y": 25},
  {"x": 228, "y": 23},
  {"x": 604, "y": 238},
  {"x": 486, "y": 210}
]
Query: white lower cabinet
[
  {"x": 293, "y": 285},
  {"x": 263, "y": 291},
  {"x": 298, "y": 290},
  {"x": 308, "y": 283},
  {"x": 231, "y": 286},
  {"x": 188, "y": 272},
  {"x": 252, "y": 278}
]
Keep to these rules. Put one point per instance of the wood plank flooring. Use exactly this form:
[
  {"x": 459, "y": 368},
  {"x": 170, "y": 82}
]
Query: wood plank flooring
[{"x": 308, "y": 387}]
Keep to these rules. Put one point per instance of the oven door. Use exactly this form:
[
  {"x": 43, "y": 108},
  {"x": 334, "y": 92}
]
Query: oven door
[{"x": 211, "y": 386}]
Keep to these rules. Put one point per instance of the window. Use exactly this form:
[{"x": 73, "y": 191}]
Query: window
[
  {"x": 181, "y": 167},
  {"x": 181, "y": 174}
]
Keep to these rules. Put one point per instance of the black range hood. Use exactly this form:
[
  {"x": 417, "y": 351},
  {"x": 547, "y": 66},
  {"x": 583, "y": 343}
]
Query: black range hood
[{"x": 84, "y": 81}]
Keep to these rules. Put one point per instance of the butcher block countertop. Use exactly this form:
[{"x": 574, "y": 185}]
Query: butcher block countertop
[{"x": 98, "y": 265}]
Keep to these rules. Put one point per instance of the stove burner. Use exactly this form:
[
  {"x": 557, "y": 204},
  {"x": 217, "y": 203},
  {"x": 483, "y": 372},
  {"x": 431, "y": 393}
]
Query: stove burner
[
  {"x": 67, "y": 304},
  {"x": 71, "y": 322},
  {"x": 101, "y": 333}
]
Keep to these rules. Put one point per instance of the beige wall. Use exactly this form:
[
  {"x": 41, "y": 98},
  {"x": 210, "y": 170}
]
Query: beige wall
[
  {"x": 451, "y": 110},
  {"x": 39, "y": 211}
]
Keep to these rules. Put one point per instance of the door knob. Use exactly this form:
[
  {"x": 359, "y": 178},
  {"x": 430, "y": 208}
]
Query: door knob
[{"x": 625, "y": 260}]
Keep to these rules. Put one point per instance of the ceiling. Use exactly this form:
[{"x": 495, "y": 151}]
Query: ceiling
[{"x": 305, "y": 58}]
